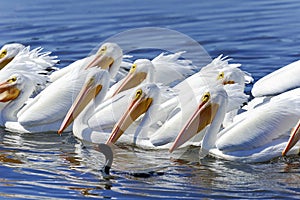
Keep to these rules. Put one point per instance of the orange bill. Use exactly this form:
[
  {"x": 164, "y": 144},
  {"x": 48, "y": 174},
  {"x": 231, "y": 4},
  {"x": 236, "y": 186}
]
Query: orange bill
[
  {"x": 87, "y": 93},
  {"x": 136, "y": 108},
  {"x": 102, "y": 61},
  {"x": 294, "y": 138},
  {"x": 202, "y": 117},
  {"x": 131, "y": 80},
  {"x": 8, "y": 91}
]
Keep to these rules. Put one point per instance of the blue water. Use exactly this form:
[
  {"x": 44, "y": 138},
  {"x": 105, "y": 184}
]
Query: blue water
[{"x": 261, "y": 35}]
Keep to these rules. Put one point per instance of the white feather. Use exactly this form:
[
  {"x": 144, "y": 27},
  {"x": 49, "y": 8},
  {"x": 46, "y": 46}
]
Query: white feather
[{"x": 281, "y": 80}]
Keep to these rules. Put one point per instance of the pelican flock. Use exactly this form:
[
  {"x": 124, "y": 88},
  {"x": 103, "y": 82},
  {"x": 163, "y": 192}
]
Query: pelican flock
[{"x": 163, "y": 103}]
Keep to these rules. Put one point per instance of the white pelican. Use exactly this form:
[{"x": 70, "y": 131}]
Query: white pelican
[
  {"x": 109, "y": 112},
  {"x": 164, "y": 69},
  {"x": 17, "y": 57},
  {"x": 277, "y": 82},
  {"x": 29, "y": 61},
  {"x": 109, "y": 55},
  {"x": 25, "y": 75},
  {"x": 219, "y": 70},
  {"x": 117, "y": 96},
  {"x": 256, "y": 137},
  {"x": 15, "y": 91},
  {"x": 151, "y": 132},
  {"x": 47, "y": 110},
  {"x": 210, "y": 111},
  {"x": 8, "y": 52},
  {"x": 83, "y": 106},
  {"x": 49, "y": 117},
  {"x": 86, "y": 128},
  {"x": 142, "y": 70},
  {"x": 281, "y": 80},
  {"x": 145, "y": 100}
]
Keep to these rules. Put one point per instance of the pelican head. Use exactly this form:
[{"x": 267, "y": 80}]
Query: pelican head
[
  {"x": 294, "y": 138},
  {"x": 224, "y": 78},
  {"x": 96, "y": 85},
  {"x": 233, "y": 74},
  {"x": 210, "y": 108},
  {"x": 10, "y": 88},
  {"x": 228, "y": 73},
  {"x": 144, "y": 98},
  {"x": 141, "y": 69},
  {"x": 8, "y": 52},
  {"x": 109, "y": 56}
]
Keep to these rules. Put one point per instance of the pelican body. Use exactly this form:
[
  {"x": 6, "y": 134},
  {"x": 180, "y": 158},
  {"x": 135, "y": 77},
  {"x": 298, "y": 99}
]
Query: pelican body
[
  {"x": 23, "y": 77},
  {"x": 106, "y": 114},
  {"x": 173, "y": 112},
  {"x": 46, "y": 111},
  {"x": 279, "y": 81},
  {"x": 257, "y": 136}
]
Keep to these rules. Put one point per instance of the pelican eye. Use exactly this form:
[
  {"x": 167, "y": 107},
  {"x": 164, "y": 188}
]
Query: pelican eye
[
  {"x": 206, "y": 97},
  {"x": 138, "y": 93},
  {"x": 102, "y": 50},
  {"x": 91, "y": 81},
  {"x": 3, "y": 53},
  {"x": 228, "y": 82},
  {"x": 11, "y": 80},
  {"x": 132, "y": 69},
  {"x": 221, "y": 75}
]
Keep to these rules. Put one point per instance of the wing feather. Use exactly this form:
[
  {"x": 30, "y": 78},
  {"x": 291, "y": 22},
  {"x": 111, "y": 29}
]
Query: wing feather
[{"x": 261, "y": 126}]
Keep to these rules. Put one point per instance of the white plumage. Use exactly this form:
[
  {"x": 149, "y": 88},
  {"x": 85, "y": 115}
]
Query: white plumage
[
  {"x": 47, "y": 110},
  {"x": 159, "y": 129},
  {"x": 281, "y": 80},
  {"x": 259, "y": 135}
]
